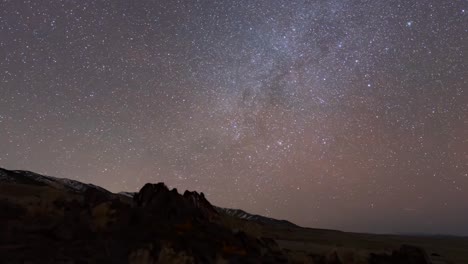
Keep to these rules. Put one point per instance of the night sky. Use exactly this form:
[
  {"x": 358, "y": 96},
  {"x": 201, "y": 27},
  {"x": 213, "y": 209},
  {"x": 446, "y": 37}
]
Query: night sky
[{"x": 339, "y": 114}]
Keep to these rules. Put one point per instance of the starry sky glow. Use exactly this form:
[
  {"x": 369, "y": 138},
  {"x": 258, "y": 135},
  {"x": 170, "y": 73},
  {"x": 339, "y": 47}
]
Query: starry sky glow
[{"x": 340, "y": 114}]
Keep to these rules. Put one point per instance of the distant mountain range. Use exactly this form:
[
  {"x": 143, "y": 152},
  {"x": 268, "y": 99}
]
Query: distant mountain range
[
  {"x": 255, "y": 218},
  {"x": 45, "y": 219}
]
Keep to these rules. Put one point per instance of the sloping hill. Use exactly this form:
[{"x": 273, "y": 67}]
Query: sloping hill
[{"x": 27, "y": 177}]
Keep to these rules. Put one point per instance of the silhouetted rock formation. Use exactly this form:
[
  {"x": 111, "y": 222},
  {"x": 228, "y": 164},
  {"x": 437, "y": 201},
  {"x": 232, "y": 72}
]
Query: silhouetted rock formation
[{"x": 158, "y": 199}]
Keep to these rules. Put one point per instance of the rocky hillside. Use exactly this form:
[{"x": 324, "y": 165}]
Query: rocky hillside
[{"x": 51, "y": 220}]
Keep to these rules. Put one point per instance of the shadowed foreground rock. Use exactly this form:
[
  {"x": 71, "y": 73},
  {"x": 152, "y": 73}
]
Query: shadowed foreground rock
[{"x": 405, "y": 255}]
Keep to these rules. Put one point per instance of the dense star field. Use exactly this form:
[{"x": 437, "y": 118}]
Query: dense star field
[{"x": 338, "y": 114}]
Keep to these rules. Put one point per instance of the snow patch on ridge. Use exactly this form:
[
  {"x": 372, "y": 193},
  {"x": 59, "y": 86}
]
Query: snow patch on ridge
[{"x": 127, "y": 194}]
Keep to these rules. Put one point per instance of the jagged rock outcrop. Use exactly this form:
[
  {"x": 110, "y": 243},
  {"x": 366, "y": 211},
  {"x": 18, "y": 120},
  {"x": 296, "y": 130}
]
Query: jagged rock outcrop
[{"x": 169, "y": 204}]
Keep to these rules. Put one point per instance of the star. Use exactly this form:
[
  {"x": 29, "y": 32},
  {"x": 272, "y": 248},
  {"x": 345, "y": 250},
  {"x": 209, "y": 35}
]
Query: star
[{"x": 248, "y": 102}]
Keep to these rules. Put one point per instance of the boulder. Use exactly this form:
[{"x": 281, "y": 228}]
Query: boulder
[{"x": 407, "y": 254}]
